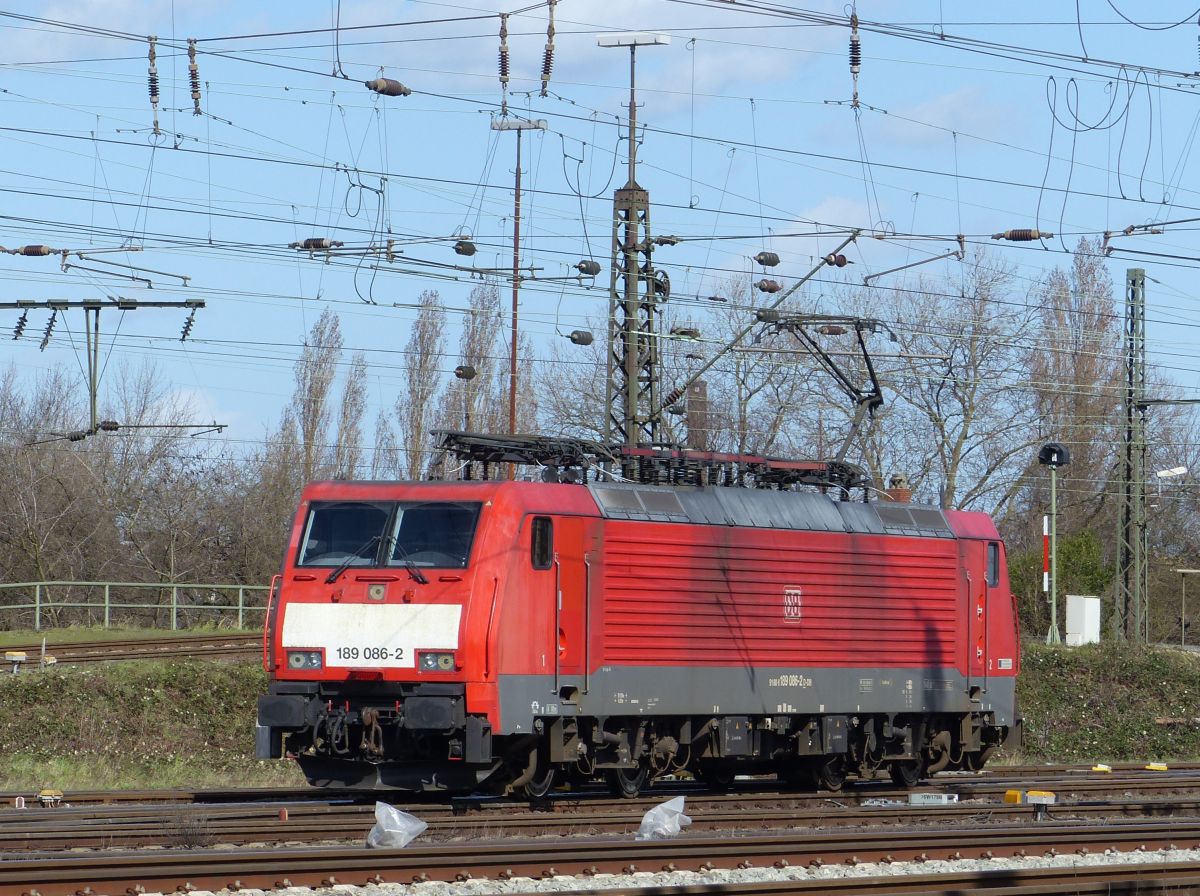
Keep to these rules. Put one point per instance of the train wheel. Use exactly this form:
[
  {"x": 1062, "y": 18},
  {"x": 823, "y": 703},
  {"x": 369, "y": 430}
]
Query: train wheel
[
  {"x": 906, "y": 772},
  {"x": 626, "y": 783},
  {"x": 830, "y": 775},
  {"x": 540, "y": 785}
]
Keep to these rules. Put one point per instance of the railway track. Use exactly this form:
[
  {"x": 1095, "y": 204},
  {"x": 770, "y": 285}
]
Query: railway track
[
  {"x": 164, "y": 871},
  {"x": 232, "y": 645},
  {"x": 130, "y": 827},
  {"x": 1127, "y": 780},
  {"x": 588, "y": 834}
]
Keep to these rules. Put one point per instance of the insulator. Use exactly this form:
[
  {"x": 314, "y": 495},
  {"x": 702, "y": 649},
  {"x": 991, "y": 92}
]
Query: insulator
[
  {"x": 580, "y": 337},
  {"x": 765, "y": 285},
  {"x": 548, "y": 56},
  {"x": 20, "y": 327},
  {"x": 504, "y": 50},
  {"x": 465, "y": 248},
  {"x": 33, "y": 250},
  {"x": 152, "y": 72},
  {"x": 316, "y": 243},
  {"x": 667, "y": 240},
  {"x": 547, "y": 66},
  {"x": 831, "y": 330},
  {"x": 677, "y": 410},
  {"x": 717, "y": 299},
  {"x": 837, "y": 261},
  {"x": 187, "y": 326},
  {"x": 767, "y": 315},
  {"x": 152, "y": 82},
  {"x": 77, "y": 436},
  {"x": 767, "y": 259},
  {"x": 108, "y": 426},
  {"x": 589, "y": 267},
  {"x": 685, "y": 332},
  {"x": 464, "y": 372},
  {"x": 672, "y": 397},
  {"x": 194, "y": 76},
  {"x": 1023, "y": 235},
  {"x": 49, "y": 330},
  {"x": 388, "y": 87}
]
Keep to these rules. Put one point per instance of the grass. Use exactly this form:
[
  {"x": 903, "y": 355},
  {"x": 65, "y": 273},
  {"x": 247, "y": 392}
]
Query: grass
[
  {"x": 135, "y": 725},
  {"x": 190, "y": 725},
  {"x": 1107, "y": 702}
]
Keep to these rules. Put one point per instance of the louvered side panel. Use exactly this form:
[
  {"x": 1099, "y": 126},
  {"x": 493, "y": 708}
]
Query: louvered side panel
[{"x": 693, "y": 595}]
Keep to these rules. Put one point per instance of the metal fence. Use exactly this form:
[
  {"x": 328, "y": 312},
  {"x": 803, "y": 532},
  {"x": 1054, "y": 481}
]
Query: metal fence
[{"x": 143, "y": 604}]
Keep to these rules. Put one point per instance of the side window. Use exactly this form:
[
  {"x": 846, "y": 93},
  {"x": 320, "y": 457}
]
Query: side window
[
  {"x": 542, "y": 542},
  {"x": 993, "y": 564}
]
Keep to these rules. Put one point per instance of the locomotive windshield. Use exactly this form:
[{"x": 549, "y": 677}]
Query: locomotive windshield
[{"x": 389, "y": 533}]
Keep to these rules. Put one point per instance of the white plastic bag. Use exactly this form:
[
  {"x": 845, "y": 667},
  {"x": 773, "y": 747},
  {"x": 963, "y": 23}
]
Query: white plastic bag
[
  {"x": 393, "y": 828},
  {"x": 664, "y": 820}
]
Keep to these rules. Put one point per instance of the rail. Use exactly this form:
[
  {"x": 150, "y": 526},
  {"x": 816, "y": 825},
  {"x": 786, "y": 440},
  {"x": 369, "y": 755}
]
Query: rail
[{"x": 101, "y": 600}]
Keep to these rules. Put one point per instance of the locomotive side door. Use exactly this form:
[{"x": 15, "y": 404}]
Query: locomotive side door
[
  {"x": 572, "y": 557},
  {"x": 980, "y": 561}
]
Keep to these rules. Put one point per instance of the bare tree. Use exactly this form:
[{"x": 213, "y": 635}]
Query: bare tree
[
  {"x": 416, "y": 405},
  {"x": 311, "y": 406},
  {"x": 348, "y": 449},
  {"x": 1077, "y": 373},
  {"x": 480, "y": 402},
  {"x": 962, "y": 424},
  {"x": 571, "y": 387}
]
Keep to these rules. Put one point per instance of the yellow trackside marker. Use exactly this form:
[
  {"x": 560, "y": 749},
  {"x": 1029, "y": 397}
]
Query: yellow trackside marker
[
  {"x": 1042, "y": 797},
  {"x": 1101, "y": 767},
  {"x": 1156, "y": 766},
  {"x": 1014, "y": 796}
]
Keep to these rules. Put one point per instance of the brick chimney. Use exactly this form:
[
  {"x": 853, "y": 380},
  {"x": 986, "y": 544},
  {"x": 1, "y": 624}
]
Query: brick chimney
[{"x": 898, "y": 489}]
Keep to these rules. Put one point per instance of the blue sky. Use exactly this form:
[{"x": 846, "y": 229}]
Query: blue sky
[{"x": 973, "y": 119}]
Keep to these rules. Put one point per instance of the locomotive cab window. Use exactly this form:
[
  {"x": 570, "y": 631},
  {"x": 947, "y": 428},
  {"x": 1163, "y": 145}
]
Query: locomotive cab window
[
  {"x": 433, "y": 533},
  {"x": 362, "y": 533},
  {"x": 993, "y": 564},
  {"x": 541, "y": 547},
  {"x": 336, "y": 532}
]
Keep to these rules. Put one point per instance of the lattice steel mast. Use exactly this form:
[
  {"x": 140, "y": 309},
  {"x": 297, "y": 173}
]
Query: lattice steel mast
[{"x": 632, "y": 418}]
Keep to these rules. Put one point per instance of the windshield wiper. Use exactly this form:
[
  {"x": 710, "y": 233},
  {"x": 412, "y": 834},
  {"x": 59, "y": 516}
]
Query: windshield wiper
[
  {"x": 416, "y": 574},
  {"x": 345, "y": 564}
]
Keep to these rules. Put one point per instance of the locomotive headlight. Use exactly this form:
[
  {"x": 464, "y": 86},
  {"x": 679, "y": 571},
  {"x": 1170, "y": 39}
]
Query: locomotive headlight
[
  {"x": 435, "y": 662},
  {"x": 304, "y": 659}
]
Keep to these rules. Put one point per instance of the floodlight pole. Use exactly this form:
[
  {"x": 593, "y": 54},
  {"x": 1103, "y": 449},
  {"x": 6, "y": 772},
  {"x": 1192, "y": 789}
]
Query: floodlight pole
[{"x": 518, "y": 125}]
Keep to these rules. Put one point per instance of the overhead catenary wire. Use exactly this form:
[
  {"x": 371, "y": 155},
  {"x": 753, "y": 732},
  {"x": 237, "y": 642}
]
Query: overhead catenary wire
[{"x": 755, "y": 142}]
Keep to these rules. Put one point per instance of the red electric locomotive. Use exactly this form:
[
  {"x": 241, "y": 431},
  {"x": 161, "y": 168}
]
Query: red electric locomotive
[{"x": 460, "y": 635}]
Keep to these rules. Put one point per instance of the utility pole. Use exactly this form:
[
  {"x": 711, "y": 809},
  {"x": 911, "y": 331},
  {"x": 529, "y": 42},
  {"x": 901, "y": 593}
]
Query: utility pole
[
  {"x": 632, "y": 382},
  {"x": 518, "y": 125},
  {"x": 1131, "y": 539}
]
